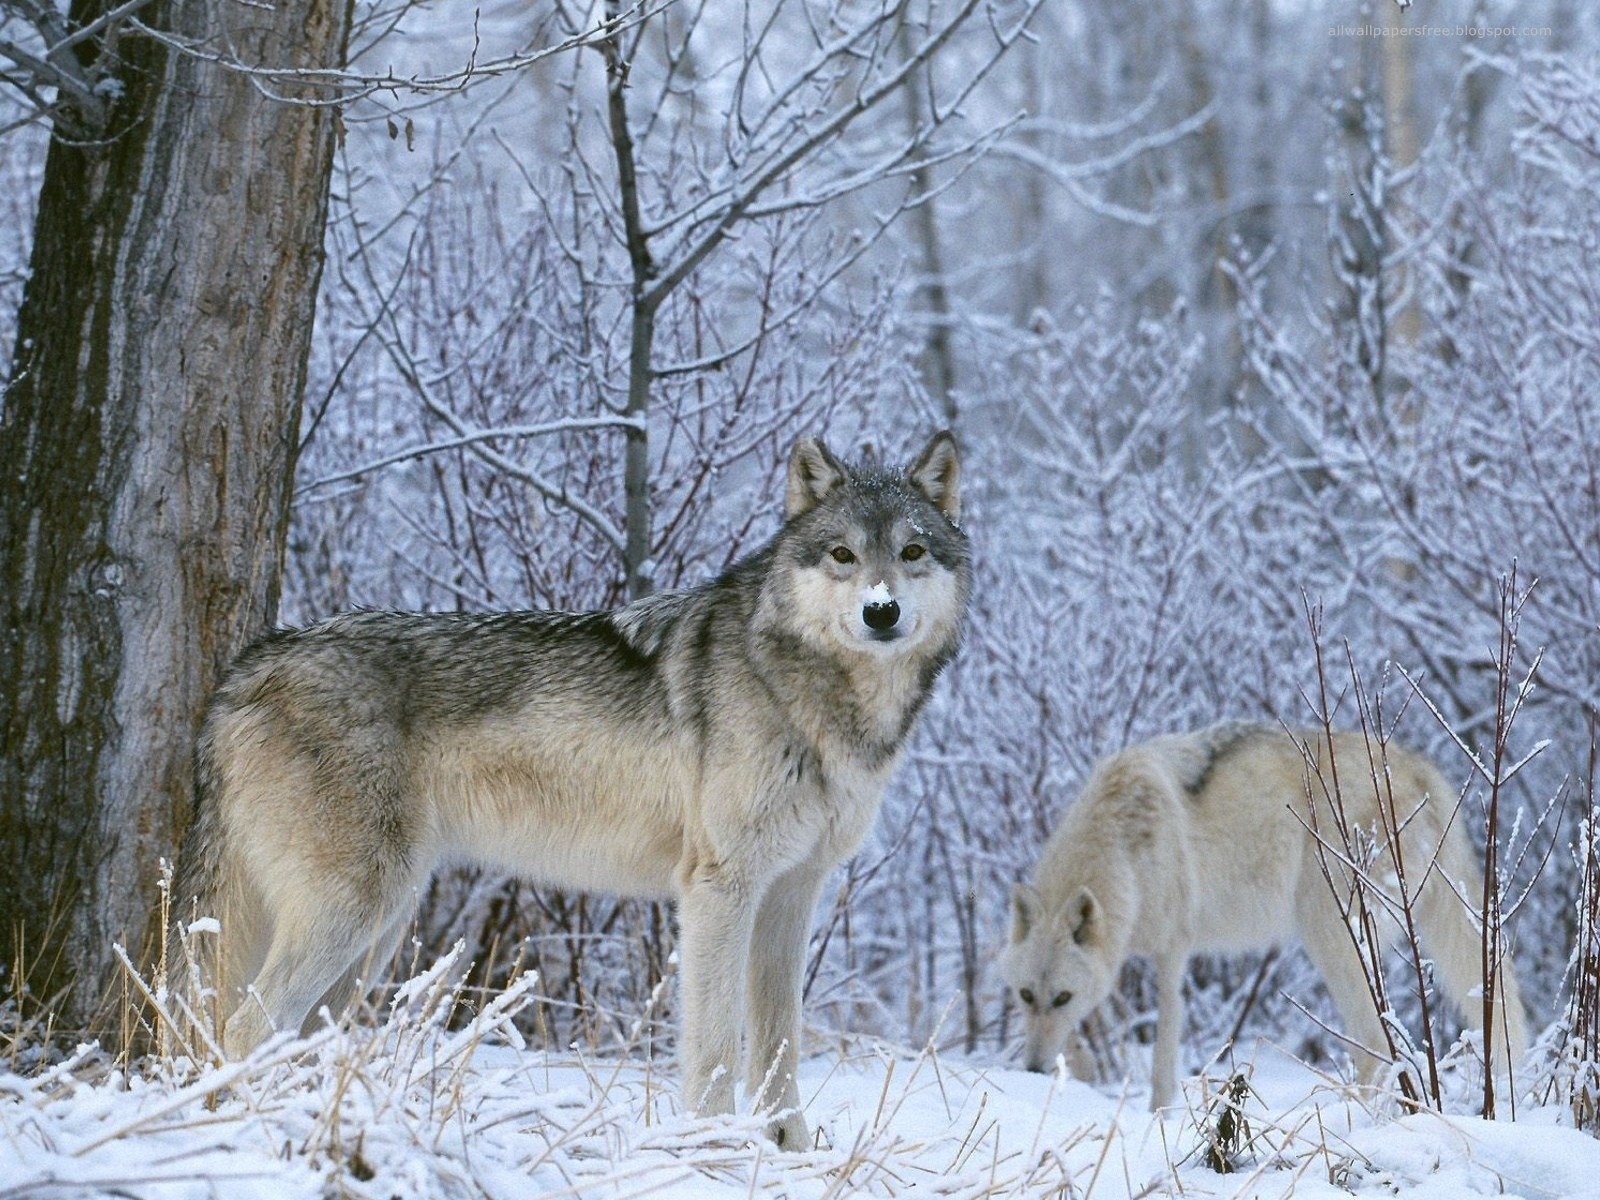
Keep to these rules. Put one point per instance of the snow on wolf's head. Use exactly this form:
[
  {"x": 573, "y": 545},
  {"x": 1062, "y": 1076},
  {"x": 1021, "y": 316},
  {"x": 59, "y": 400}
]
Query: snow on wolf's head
[
  {"x": 1058, "y": 965},
  {"x": 871, "y": 561}
]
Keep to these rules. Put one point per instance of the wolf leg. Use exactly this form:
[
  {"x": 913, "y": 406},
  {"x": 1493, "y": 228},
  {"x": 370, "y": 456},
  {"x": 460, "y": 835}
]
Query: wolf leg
[
  {"x": 1080, "y": 1057},
  {"x": 716, "y": 914},
  {"x": 1328, "y": 945},
  {"x": 356, "y": 982},
  {"x": 1169, "y": 1027},
  {"x": 1451, "y": 936},
  {"x": 777, "y": 964},
  {"x": 303, "y": 962}
]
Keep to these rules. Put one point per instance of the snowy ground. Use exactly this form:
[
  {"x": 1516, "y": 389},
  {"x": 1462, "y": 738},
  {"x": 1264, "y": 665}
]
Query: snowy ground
[{"x": 415, "y": 1110}]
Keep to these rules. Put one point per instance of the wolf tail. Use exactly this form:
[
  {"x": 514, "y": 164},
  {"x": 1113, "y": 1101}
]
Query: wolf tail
[
  {"x": 1451, "y": 932},
  {"x": 213, "y": 932}
]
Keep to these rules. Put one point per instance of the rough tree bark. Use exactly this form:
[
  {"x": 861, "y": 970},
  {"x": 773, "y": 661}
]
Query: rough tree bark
[{"x": 148, "y": 432}]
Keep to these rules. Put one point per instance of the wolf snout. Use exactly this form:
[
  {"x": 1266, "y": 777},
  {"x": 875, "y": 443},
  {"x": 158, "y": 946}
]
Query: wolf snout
[{"x": 881, "y": 617}]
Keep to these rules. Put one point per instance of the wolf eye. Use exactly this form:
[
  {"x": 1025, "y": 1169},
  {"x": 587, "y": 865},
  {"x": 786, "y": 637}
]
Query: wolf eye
[
  {"x": 1061, "y": 998},
  {"x": 912, "y": 552},
  {"x": 1026, "y": 996},
  {"x": 841, "y": 554}
]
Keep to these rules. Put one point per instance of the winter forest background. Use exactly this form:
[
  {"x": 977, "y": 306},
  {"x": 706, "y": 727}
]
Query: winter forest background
[{"x": 1248, "y": 320}]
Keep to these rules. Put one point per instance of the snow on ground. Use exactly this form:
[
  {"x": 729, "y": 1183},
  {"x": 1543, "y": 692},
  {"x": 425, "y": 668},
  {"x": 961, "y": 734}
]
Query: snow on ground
[{"x": 418, "y": 1110}]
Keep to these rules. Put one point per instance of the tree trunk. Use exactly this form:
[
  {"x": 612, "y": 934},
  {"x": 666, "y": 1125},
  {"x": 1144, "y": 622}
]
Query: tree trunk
[
  {"x": 149, "y": 432},
  {"x": 1400, "y": 126},
  {"x": 938, "y": 358},
  {"x": 933, "y": 295},
  {"x": 1217, "y": 292},
  {"x": 637, "y": 568}
]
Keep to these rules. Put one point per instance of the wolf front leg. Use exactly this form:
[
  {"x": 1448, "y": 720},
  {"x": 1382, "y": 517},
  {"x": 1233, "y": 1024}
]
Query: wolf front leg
[
  {"x": 716, "y": 913},
  {"x": 1169, "y": 1027},
  {"x": 1080, "y": 1057},
  {"x": 777, "y": 964}
]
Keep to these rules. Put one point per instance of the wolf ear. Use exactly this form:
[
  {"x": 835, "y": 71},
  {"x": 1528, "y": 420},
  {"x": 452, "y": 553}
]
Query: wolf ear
[
  {"x": 813, "y": 473},
  {"x": 937, "y": 474},
  {"x": 1024, "y": 904},
  {"x": 1084, "y": 916}
]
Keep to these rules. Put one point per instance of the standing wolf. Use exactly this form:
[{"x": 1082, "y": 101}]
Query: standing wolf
[
  {"x": 727, "y": 745},
  {"x": 1202, "y": 842}
]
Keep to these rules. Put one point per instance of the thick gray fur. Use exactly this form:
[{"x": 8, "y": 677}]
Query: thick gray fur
[{"x": 726, "y": 746}]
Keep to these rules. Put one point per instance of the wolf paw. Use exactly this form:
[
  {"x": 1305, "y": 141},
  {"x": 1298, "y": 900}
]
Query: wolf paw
[{"x": 788, "y": 1132}]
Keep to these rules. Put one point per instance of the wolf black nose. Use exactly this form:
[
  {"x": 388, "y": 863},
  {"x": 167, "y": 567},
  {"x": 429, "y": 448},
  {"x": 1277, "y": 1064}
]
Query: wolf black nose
[{"x": 881, "y": 616}]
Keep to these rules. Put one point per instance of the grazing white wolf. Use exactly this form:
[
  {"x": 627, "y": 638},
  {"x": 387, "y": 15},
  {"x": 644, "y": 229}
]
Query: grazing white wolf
[
  {"x": 727, "y": 746},
  {"x": 1199, "y": 842}
]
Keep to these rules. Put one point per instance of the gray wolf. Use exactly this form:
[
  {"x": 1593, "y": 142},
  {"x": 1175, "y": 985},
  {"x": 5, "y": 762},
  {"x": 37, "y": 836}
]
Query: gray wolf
[
  {"x": 726, "y": 746},
  {"x": 1202, "y": 842}
]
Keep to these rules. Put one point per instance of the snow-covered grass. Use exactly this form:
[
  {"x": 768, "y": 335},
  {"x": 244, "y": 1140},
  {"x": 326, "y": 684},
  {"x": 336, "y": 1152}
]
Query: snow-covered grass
[{"x": 421, "y": 1106}]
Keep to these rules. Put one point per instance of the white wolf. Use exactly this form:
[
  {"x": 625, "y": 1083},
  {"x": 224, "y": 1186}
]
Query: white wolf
[
  {"x": 727, "y": 745},
  {"x": 1199, "y": 842}
]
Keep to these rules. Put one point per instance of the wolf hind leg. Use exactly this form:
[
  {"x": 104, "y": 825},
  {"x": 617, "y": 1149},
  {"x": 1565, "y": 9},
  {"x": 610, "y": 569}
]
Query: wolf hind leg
[
  {"x": 207, "y": 970},
  {"x": 308, "y": 955},
  {"x": 356, "y": 982},
  {"x": 340, "y": 869}
]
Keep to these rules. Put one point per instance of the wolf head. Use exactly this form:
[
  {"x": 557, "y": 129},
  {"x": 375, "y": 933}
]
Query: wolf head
[
  {"x": 871, "y": 560},
  {"x": 1060, "y": 967}
]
